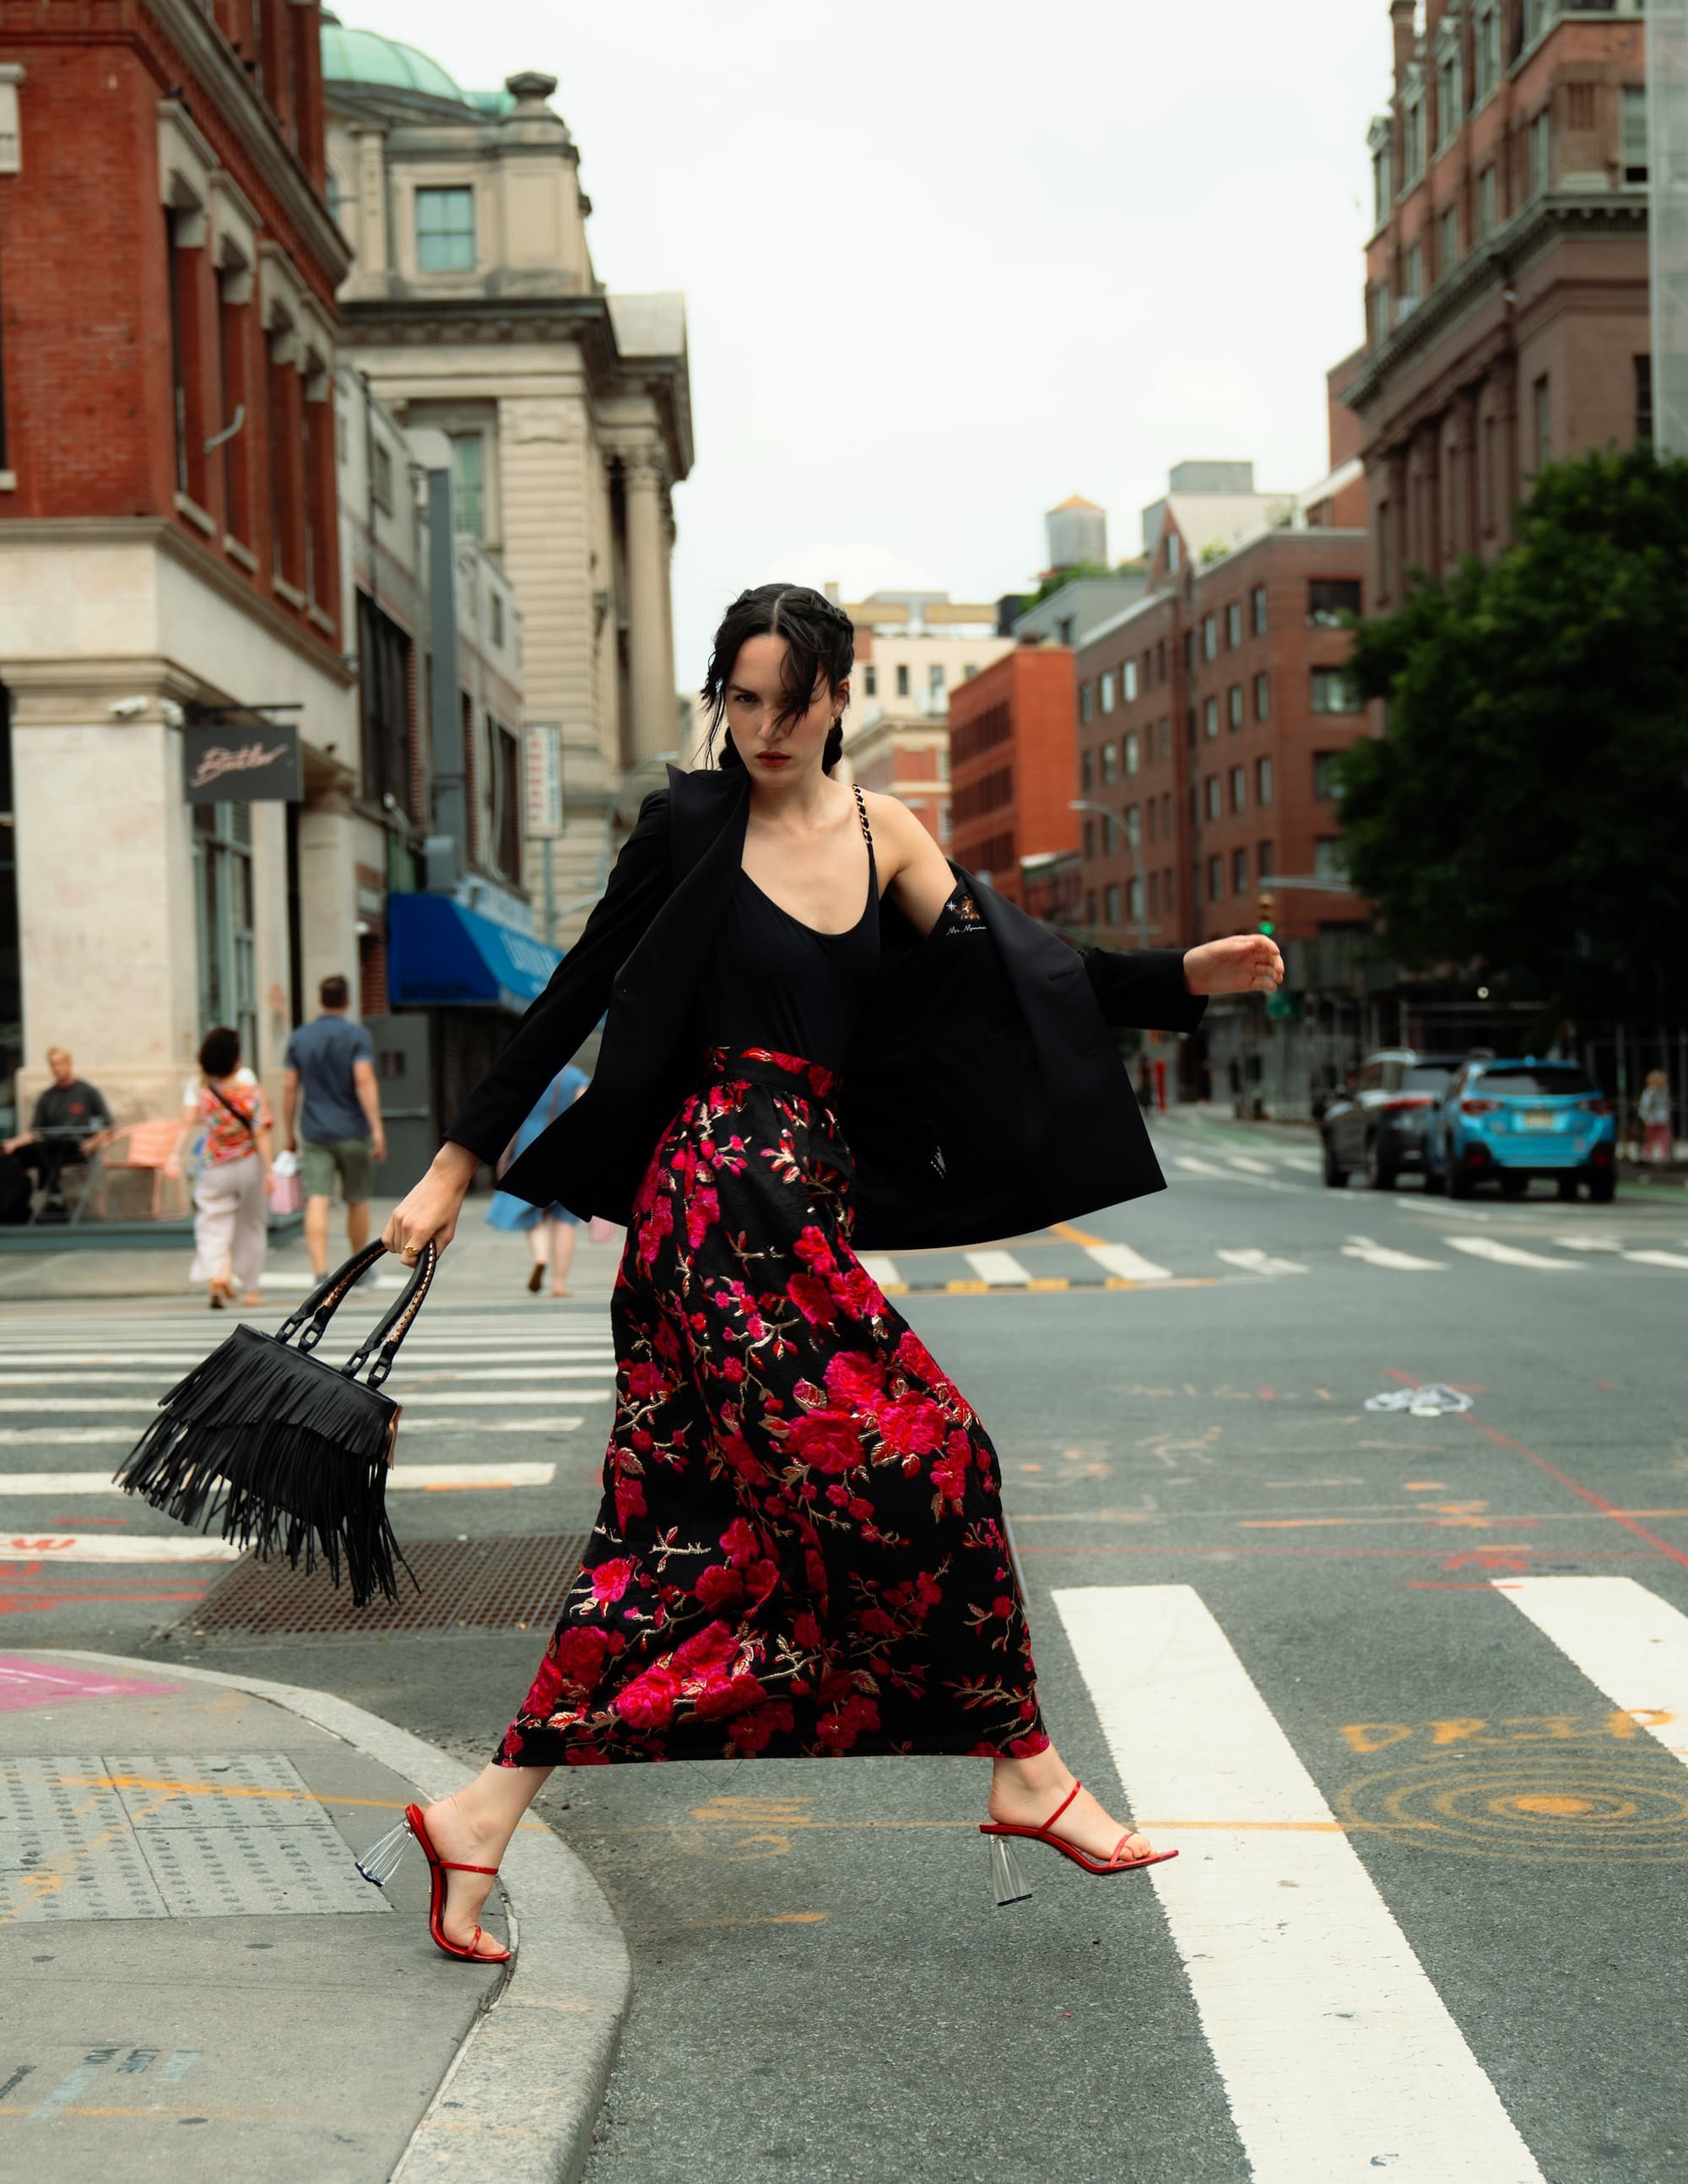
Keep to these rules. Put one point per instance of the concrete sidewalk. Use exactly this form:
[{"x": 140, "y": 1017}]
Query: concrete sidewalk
[
  {"x": 482, "y": 1266},
  {"x": 201, "y": 1985}
]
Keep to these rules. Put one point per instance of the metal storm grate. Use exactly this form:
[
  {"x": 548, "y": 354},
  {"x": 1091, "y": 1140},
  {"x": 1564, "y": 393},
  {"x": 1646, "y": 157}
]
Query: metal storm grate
[{"x": 508, "y": 1584}]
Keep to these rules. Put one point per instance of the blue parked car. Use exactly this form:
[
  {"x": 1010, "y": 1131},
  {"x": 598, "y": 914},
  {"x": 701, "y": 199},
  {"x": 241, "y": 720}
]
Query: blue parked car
[{"x": 1509, "y": 1120}]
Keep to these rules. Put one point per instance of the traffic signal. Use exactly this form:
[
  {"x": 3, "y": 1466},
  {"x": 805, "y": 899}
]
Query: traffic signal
[{"x": 1267, "y": 903}]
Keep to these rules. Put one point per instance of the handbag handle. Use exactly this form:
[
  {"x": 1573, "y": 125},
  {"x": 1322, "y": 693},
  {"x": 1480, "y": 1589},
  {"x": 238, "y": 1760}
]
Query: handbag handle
[
  {"x": 325, "y": 1300},
  {"x": 395, "y": 1325}
]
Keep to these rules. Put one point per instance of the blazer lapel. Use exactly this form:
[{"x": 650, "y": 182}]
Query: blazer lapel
[{"x": 657, "y": 983}]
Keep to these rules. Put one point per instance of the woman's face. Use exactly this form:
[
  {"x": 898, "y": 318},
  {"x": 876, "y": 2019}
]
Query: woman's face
[{"x": 777, "y": 753}]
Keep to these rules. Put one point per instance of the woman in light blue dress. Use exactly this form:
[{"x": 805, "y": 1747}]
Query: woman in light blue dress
[{"x": 550, "y": 1228}]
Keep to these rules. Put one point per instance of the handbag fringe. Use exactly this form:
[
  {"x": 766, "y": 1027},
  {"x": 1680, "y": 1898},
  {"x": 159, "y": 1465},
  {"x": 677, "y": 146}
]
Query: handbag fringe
[{"x": 290, "y": 1453}]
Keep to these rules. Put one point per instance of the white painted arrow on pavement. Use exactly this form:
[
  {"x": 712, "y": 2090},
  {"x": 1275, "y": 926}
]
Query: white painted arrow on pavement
[{"x": 1254, "y": 1261}]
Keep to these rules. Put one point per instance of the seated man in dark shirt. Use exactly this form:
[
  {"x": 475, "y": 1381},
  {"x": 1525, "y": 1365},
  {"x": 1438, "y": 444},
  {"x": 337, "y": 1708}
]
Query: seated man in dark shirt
[{"x": 71, "y": 1120}]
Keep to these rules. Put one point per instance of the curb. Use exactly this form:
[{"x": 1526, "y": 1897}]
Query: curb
[{"x": 521, "y": 2099}]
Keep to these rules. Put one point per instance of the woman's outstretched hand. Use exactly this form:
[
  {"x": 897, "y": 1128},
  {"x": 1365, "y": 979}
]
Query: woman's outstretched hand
[
  {"x": 429, "y": 1213},
  {"x": 1246, "y": 963}
]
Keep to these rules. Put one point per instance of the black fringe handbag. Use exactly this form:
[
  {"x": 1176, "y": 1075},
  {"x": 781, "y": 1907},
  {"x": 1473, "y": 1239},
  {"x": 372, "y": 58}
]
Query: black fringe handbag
[{"x": 292, "y": 1453}]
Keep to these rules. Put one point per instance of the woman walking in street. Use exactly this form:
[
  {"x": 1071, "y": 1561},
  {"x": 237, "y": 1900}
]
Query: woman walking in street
[
  {"x": 551, "y": 1229},
  {"x": 231, "y": 1217},
  {"x": 1653, "y": 1110},
  {"x": 819, "y": 1033}
]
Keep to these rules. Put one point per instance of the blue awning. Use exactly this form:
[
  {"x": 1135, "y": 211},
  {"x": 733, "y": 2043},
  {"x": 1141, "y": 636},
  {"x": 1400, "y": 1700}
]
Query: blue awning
[{"x": 439, "y": 954}]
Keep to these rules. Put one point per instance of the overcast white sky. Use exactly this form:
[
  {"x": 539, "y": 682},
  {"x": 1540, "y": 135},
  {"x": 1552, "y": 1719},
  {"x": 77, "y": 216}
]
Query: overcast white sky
[{"x": 947, "y": 261}]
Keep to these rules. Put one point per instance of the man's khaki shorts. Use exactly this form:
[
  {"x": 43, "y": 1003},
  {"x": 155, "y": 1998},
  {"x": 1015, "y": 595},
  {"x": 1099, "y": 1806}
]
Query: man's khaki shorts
[{"x": 321, "y": 1159}]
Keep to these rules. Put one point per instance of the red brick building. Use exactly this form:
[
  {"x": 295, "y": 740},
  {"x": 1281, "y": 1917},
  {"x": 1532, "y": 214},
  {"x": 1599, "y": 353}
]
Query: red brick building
[
  {"x": 168, "y": 518},
  {"x": 1506, "y": 287},
  {"x": 1208, "y": 714},
  {"x": 1013, "y": 770}
]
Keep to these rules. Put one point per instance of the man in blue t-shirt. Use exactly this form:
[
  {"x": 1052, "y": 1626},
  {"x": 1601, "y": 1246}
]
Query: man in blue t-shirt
[{"x": 331, "y": 1061}]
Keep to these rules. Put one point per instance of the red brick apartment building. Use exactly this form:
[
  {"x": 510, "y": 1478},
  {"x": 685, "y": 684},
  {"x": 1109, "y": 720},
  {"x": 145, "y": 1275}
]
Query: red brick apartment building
[
  {"x": 1013, "y": 770},
  {"x": 1506, "y": 282},
  {"x": 168, "y": 520},
  {"x": 1208, "y": 713}
]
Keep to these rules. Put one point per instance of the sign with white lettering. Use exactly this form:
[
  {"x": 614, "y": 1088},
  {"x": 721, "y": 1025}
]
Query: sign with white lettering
[
  {"x": 255, "y": 762},
  {"x": 544, "y": 752}
]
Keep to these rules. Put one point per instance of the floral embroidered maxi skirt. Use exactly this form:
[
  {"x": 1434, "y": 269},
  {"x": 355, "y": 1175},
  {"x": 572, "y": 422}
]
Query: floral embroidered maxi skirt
[{"x": 801, "y": 1551}]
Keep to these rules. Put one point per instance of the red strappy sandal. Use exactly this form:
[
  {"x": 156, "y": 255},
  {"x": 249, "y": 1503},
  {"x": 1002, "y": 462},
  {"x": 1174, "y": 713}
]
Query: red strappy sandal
[
  {"x": 1009, "y": 1884},
  {"x": 380, "y": 1862}
]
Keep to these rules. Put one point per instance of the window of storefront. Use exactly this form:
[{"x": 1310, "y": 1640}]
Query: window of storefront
[{"x": 223, "y": 916}]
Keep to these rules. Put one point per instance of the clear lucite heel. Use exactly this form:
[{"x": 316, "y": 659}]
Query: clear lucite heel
[
  {"x": 1008, "y": 1882},
  {"x": 381, "y": 1861}
]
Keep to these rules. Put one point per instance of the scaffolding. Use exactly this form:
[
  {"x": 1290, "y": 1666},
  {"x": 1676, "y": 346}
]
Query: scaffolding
[{"x": 1668, "y": 218}]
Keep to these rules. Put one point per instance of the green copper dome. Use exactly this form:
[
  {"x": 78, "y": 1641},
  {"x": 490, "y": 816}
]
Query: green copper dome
[{"x": 350, "y": 56}]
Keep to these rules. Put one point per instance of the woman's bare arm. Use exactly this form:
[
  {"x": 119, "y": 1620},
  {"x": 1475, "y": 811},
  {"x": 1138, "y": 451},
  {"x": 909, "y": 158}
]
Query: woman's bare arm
[{"x": 913, "y": 871}]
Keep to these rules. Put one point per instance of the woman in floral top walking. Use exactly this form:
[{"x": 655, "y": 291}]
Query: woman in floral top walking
[
  {"x": 828, "y": 1034},
  {"x": 231, "y": 1206}
]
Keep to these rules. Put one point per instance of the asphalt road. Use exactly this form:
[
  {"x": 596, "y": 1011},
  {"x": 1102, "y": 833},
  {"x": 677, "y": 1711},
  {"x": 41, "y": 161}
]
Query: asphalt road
[{"x": 1430, "y": 1798}]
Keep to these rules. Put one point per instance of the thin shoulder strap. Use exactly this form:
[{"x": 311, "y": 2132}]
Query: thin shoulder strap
[{"x": 861, "y": 814}]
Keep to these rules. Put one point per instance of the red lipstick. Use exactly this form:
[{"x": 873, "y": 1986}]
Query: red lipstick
[{"x": 773, "y": 758}]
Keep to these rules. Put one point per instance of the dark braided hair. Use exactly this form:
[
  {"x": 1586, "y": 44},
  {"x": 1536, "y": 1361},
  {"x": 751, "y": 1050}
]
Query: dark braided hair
[{"x": 820, "y": 640}]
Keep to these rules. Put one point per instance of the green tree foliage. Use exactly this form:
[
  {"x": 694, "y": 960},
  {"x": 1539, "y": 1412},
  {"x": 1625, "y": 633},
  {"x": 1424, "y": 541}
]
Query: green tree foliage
[{"x": 1526, "y": 814}]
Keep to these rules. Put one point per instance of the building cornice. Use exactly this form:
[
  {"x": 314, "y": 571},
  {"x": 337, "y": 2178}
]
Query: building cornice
[
  {"x": 422, "y": 322},
  {"x": 209, "y": 53},
  {"x": 1542, "y": 222},
  {"x": 156, "y": 534}
]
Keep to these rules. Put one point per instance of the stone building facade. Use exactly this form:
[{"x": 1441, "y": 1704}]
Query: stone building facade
[
  {"x": 473, "y": 305},
  {"x": 1507, "y": 280}
]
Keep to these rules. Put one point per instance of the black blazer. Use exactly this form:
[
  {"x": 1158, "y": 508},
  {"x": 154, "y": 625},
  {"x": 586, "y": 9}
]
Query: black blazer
[{"x": 984, "y": 1096}]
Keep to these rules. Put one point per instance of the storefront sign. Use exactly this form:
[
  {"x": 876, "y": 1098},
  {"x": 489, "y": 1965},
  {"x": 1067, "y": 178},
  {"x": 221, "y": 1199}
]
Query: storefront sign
[{"x": 250, "y": 762}]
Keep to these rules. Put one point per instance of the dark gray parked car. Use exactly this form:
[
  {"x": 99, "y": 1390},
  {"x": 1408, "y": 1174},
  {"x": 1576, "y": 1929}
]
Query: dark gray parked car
[{"x": 1378, "y": 1124}]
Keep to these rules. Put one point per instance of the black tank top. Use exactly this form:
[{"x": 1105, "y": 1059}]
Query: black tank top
[{"x": 775, "y": 982}]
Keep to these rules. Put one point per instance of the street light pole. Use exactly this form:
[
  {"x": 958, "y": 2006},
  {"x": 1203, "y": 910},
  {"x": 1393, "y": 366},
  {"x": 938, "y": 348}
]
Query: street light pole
[{"x": 1107, "y": 811}]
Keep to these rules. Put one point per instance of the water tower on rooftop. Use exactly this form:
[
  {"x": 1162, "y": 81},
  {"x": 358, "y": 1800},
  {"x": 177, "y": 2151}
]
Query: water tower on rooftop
[{"x": 1077, "y": 531}]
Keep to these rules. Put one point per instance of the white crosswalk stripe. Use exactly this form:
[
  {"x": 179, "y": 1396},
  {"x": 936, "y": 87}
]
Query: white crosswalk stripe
[
  {"x": 471, "y": 1399},
  {"x": 116, "y": 1547},
  {"x": 495, "y": 1382},
  {"x": 1001, "y": 1269},
  {"x": 1384, "y": 1255},
  {"x": 1627, "y": 1641},
  {"x": 1510, "y": 1255},
  {"x": 1193, "y": 1164},
  {"x": 124, "y": 1436},
  {"x": 880, "y": 1269},
  {"x": 1656, "y": 1259},
  {"x": 404, "y": 1478},
  {"x": 1337, "y": 2053},
  {"x": 1127, "y": 1265}
]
